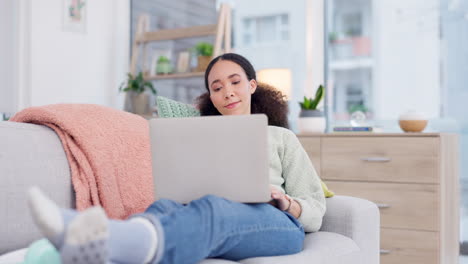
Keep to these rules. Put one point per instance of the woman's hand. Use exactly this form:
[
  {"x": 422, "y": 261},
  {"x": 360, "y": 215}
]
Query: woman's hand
[
  {"x": 284, "y": 202},
  {"x": 280, "y": 200}
]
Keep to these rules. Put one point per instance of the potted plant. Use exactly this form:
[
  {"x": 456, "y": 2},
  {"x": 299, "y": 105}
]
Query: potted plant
[
  {"x": 5, "y": 117},
  {"x": 310, "y": 118},
  {"x": 163, "y": 65},
  {"x": 137, "y": 100},
  {"x": 204, "y": 52}
]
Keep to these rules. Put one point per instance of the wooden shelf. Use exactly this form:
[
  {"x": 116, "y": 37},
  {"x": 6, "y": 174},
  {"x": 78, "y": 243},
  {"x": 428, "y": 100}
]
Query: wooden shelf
[
  {"x": 174, "y": 76},
  {"x": 143, "y": 36},
  {"x": 178, "y": 33}
]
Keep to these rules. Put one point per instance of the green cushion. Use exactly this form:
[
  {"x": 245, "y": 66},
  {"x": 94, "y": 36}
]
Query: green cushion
[{"x": 168, "y": 108}]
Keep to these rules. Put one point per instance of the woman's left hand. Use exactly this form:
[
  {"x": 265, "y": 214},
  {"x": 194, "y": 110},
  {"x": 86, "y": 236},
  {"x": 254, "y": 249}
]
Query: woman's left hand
[{"x": 280, "y": 200}]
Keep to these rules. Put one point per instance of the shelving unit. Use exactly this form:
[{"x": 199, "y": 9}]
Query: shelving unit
[
  {"x": 221, "y": 30},
  {"x": 174, "y": 76}
]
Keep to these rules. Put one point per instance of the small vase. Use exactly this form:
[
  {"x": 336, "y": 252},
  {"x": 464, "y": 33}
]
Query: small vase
[
  {"x": 138, "y": 103},
  {"x": 203, "y": 62},
  {"x": 311, "y": 121}
]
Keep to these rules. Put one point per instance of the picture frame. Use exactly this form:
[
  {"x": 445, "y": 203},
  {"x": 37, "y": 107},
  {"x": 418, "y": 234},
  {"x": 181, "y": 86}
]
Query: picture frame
[
  {"x": 183, "y": 62},
  {"x": 74, "y": 15}
]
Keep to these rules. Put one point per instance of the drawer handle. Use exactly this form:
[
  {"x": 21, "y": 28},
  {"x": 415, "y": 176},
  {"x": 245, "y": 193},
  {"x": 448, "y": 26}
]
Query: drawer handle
[
  {"x": 376, "y": 159},
  {"x": 382, "y": 206},
  {"x": 385, "y": 252}
]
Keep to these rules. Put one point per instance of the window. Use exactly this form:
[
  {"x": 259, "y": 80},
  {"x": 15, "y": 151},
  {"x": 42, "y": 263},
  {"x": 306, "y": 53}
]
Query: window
[{"x": 265, "y": 29}]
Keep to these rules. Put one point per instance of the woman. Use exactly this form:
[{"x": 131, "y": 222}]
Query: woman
[{"x": 169, "y": 232}]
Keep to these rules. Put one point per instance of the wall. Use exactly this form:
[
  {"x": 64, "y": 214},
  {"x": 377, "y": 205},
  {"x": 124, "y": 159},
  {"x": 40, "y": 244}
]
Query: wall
[
  {"x": 60, "y": 66},
  {"x": 7, "y": 94}
]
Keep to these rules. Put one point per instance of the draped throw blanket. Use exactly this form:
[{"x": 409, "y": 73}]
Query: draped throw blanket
[{"x": 108, "y": 151}]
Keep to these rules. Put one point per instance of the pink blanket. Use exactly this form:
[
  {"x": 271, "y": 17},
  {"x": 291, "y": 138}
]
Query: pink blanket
[{"x": 108, "y": 152}]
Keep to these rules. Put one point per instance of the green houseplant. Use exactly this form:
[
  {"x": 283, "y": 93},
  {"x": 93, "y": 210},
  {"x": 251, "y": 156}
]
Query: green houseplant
[
  {"x": 137, "y": 100},
  {"x": 204, "y": 51},
  {"x": 311, "y": 119}
]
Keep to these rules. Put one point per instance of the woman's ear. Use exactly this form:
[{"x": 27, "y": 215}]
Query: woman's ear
[{"x": 253, "y": 86}]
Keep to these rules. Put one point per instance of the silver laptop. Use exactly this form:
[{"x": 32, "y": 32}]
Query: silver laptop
[{"x": 225, "y": 156}]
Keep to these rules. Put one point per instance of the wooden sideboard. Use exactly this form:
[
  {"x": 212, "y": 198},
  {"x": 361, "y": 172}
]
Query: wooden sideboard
[{"x": 413, "y": 179}]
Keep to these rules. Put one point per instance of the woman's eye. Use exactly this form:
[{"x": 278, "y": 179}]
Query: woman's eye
[
  {"x": 236, "y": 82},
  {"x": 217, "y": 89}
]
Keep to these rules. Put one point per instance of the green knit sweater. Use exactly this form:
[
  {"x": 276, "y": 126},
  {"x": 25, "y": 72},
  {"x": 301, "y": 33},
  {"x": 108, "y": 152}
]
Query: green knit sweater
[{"x": 292, "y": 172}]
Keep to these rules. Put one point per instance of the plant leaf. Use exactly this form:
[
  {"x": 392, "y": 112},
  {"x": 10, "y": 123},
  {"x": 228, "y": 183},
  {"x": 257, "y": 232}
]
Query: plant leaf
[{"x": 318, "y": 97}]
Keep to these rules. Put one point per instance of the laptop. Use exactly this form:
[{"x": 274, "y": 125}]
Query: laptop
[{"x": 225, "y": 156}]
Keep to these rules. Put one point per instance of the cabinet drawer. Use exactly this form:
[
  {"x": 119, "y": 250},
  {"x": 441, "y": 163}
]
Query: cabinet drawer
[
  {"x": 312, "y": 147},
  {"x": 386, "y": 159},
  {"x": 409, "y": 206},
  {"x": 408, "y": 246}
]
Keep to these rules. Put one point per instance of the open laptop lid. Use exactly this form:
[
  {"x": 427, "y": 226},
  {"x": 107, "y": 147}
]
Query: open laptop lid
[{"x": 225, "y": 156}]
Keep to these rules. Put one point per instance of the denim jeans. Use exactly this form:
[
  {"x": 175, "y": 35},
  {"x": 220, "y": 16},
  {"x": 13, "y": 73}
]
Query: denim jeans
[{"x": 213, "y": 227}]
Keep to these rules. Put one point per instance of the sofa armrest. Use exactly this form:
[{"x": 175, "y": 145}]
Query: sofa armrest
[
  {"x": 30, "y": 155},
  {"x": 357, "y": 219}
]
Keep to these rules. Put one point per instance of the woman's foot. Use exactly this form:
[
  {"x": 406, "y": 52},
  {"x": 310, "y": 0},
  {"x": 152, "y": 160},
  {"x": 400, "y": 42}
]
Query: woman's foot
[
  {"x": 86, "y": 238},
  {"x": 82, "y": 239},
  {"x": 90, "y": 237}
]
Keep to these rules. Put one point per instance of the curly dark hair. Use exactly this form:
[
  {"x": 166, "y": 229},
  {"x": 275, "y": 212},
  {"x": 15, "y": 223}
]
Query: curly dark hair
[{"x": 266, "y": 99}]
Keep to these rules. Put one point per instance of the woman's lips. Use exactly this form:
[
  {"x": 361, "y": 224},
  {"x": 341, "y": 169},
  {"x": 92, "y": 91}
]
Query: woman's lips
[{"x": 230, "y": 106}]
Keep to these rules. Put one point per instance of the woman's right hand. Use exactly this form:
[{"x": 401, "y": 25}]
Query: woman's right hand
[{"x": 279, "y": 199}]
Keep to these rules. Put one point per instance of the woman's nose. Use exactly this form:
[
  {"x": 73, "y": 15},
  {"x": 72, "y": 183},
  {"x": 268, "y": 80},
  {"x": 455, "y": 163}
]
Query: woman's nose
[{"x": 228, "y": 94}]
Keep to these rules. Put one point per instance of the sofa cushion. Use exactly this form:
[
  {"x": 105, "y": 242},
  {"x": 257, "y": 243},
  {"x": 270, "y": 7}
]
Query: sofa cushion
[
  {"x": 168, "y": 108},
  {"x": 319, "y": 248}
]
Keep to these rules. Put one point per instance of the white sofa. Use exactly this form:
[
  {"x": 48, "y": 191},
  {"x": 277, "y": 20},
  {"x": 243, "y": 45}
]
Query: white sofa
[{"x": 33, "y": 155}]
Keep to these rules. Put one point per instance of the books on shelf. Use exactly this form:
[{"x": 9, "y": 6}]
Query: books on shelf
[{"x": 353, "y": 129}]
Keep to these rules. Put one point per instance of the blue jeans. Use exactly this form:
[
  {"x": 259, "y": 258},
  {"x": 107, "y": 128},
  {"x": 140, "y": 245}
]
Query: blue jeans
[{"x": 213, "y": 227}]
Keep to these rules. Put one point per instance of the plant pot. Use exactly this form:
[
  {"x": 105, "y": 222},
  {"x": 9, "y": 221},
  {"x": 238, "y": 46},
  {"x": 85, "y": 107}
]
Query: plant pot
[
  {"x": 138, "y": 103},
  {"x": 163, "y": 68},
  {"x": 203, "y": 62},
  {"x": 311, "y": 121}
]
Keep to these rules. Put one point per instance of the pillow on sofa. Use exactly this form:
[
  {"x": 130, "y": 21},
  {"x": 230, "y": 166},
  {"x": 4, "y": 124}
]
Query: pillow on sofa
[{"x": 168, "y": 108}]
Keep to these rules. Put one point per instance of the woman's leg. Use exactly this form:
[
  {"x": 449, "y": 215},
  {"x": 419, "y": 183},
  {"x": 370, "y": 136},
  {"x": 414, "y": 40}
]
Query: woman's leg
[
  {"x": 163, "y": 207},
  {"x": 215, "y": 227},
  {"x": 208, "y": 227}
]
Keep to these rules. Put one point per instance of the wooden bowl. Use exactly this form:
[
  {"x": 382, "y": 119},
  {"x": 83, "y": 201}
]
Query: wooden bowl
[{"x": 413, "y": 125}]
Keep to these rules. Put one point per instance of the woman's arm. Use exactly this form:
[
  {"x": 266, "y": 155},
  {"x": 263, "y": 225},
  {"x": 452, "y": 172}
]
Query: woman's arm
[{"x": 302, "y": 183}]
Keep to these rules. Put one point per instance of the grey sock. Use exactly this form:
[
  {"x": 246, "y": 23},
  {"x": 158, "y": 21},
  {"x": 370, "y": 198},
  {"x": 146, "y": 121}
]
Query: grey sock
[{"x": 86, "y": 238}]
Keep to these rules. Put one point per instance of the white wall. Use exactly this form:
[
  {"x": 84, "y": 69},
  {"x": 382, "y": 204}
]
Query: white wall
[
  {"x": 7, "y": 26},
  {"x": 61, "y": 66},
  {"x": 407, "y": 57}
]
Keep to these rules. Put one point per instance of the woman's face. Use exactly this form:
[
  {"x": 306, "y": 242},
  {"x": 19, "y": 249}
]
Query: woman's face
[{"x": 230, "y": 90}]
